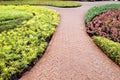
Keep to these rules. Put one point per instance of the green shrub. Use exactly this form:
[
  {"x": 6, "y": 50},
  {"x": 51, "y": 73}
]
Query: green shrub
[
  {"x": 10, "y": 19},
  {"x": 21, "y": 45},
  {"x": 94, "y": 11},
  {"x": 13, "y": 14},
  {"x": 111, "y": 48},
  {"x": 63, "y": 4}
]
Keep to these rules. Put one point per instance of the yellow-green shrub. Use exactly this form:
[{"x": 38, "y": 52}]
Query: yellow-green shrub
[
  {"x": 21, "y": 45},
  {"x": 111, "y": 48},
  {"x": 55, "y": 3}
]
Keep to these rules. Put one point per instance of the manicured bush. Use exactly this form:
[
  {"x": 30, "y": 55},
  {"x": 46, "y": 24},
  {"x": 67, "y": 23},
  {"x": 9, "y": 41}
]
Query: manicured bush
[
  {"x": 62, "y": 4},
  {"x": 13, "y": 14},
  {"x": 111, "y": 48},
  {"x": 95, "y": 11},
  {"x": 10, "y": 19},
  {"x": 21, "y": 45}
]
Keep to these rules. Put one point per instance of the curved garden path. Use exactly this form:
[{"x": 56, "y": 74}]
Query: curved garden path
[{"x": 72, "y": 55}]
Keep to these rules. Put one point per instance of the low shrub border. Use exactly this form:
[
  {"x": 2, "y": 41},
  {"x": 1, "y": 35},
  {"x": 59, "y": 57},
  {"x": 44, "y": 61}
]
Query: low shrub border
[
  {"x": 62, "y": 4},
  {"x": 105, "y": 33},
  {"x": 95, "y": 11},
  {"x": 10, "y": 19},
  {"x": 21, "y": 45},
  {"x": 111, "y": 48}
]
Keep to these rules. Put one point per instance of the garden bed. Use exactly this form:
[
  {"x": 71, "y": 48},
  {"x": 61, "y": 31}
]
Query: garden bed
[
  {"x": 103, "y": 25},
  {"x": 62, "y": 4},
  {"x": 24, "y": 36}
]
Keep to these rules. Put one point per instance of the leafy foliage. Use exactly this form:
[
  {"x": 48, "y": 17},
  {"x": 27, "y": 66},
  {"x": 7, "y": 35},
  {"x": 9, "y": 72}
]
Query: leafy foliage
[
  {"x": 21, "y": 45},
  {"x": 13, "y": 14},
  {"x": 63, "y": 4},
  {"x": 111, "y": 48},
  {"x": 10, "y": 19},
  {"x": 98, "y": 10},
  {"x": 106, "y": 25}
]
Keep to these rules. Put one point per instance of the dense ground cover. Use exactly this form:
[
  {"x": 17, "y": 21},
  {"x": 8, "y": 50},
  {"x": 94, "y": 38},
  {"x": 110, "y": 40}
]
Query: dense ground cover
[
  {"x": 19, "y": 46},
  {"x": 103, "y": 22},
  {"x": 95, "y": 11},
  {"x": 111, "y": 48},
  {"x": 63, "y": 4},
  {"x": 10, "y": 19}
]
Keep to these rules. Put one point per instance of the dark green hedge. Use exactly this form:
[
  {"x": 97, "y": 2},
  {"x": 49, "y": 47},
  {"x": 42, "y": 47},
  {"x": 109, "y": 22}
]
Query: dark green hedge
[{"x": 94, "y": 11}]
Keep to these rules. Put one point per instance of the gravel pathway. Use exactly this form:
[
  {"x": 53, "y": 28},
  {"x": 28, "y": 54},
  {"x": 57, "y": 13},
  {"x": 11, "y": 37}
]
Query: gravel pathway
[{"x": 72, "y": 55}]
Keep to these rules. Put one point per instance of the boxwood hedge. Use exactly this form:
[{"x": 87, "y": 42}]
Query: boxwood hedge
[{"x": 21, "y": 45}]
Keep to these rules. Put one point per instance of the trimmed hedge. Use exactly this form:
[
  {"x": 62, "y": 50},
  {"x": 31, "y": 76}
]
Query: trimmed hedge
[
  {"x": 21, "y": 45},
  {"x": 10, "y": 19},
  {"x": 63, "y": 4},
  {"x": 13, "y": 14},
  {"x": 111, "y": 48},
  {"x": 95, "y": 11}
]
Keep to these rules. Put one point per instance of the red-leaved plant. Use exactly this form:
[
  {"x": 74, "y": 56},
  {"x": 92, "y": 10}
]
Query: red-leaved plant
[{"x": 106, "y": 25}]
